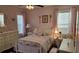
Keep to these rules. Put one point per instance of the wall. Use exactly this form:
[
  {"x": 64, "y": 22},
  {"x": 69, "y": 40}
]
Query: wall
[
  {"x": 10, "y": 17},
  {"x": 35, "y": 20},
  {"x": 30, "y": 16},
  {"x": 33, "y": 16}
]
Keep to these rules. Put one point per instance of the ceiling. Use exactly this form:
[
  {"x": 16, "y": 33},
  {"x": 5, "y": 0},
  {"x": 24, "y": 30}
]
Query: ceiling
[{"x": 43, "y": 6}]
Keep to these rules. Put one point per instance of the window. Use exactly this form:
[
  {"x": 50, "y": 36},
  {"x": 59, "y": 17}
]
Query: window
[
  {"x": 2, "y": 20},
  {"x": 20, "y": 24},
  {"x": 64, "y": 21}
]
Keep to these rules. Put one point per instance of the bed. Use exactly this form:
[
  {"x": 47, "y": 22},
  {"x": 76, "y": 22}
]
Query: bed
[{"x": 34, "y": 44}]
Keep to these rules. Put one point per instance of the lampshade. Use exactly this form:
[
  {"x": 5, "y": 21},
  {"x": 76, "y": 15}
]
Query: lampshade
[
  {"x": 56, "y": 33},
  {"x": 28, "y": 26}
]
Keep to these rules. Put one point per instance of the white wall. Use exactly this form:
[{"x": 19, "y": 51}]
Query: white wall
[
  {"x": 33, "y": 16},
  {"x": 34, "y": 19}
]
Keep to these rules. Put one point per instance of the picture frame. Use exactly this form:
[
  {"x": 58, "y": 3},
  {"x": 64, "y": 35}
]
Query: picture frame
[{"x": 45, "y": 19}]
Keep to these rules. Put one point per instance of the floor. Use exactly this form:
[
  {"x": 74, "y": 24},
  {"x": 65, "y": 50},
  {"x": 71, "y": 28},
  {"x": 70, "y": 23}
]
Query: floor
[{"x": 11, "y": 50}]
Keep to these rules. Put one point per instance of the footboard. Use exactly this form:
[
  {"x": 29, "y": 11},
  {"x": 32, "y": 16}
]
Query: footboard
[{"x": 29, "y": 47}]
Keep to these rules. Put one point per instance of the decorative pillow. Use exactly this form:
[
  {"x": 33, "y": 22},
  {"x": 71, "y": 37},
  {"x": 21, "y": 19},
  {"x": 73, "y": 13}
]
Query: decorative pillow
[
  {"x": 30, "y": 33},
  {"x": 45, "y": 34},
  {"x": 40, "y": 33},
  {"x": 37, "y": 32}
]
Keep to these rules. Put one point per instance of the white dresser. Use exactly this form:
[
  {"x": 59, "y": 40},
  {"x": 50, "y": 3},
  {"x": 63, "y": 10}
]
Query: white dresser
[{"x": 8, "y": 40}]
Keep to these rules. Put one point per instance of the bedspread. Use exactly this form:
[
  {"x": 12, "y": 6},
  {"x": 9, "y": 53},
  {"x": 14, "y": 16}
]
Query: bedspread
[{"x": 35, "y": 40}]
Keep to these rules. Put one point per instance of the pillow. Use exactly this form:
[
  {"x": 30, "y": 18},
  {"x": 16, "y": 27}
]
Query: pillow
[
  {"x": 45, "y": 34},
  {"x": 40, "y": 33},
  {"x": 29, "y": 33},
  {"x": 37, "y": 32}
]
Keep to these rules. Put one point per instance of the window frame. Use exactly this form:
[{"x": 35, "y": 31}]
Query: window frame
[
  {"x": 69, "y": 23},
  {"x": 3, "y": 19}
]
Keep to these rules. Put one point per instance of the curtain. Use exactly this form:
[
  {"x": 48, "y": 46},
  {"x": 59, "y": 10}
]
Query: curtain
[
  {"x": 24, "y": 21},
  {"x": 73, "y": 22},
  {"x": 54, "y": 20}
]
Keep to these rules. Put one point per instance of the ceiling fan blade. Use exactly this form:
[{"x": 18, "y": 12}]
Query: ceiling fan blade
[{"x": 40, "y": 5}]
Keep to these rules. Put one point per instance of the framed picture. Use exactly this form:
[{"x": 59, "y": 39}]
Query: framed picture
[{"x": 45, "y": 19}]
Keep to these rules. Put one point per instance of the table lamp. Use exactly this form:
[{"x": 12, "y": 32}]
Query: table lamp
[
  {"x": 56, "y": 34},
  {"x": 28, "y": 26}
]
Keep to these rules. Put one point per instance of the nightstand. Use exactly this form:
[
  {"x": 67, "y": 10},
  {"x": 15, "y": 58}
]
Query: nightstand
[{"x": 57, "y": 42}]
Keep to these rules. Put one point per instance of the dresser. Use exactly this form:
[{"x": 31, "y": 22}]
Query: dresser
[{"x": 8, "y": 40}]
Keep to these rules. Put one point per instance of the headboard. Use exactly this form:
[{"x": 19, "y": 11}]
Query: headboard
[{"x": 43, "y": 31}]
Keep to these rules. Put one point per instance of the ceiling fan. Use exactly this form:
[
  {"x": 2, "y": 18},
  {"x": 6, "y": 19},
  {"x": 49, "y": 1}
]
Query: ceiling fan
[
  {"x": 39, "y": 5},
  {"x": 31, "y": 7}
]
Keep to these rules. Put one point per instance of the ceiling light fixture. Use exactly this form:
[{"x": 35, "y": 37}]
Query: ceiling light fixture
[{"x": 30, "y": 7}]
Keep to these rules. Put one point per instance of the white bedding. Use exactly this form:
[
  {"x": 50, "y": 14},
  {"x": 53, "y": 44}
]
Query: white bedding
[{"x": 34, "y": 40}]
